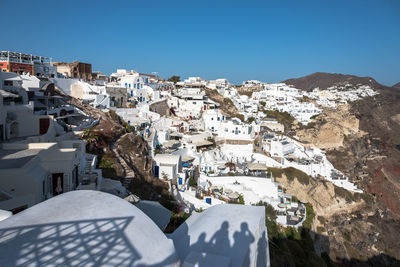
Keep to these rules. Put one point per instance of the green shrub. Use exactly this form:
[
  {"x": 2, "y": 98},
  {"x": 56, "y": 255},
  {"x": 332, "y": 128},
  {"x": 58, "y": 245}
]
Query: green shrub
[
  {"x": 347, "y": 195},
  {"x": 240, "y": 199},
  {"x": 291, "y": 173},
  {"x": 282, "y": 117},
  {"x": 114, "y": 116},
  {"x": 250, "y": 120},
  {"x": 291, "y": 233},
  {"x": 192, "y": 182},
  {"x": 305, "y": 99},
  {"x": 106, "y": 160},
  {"x": 309, "y": 216}
]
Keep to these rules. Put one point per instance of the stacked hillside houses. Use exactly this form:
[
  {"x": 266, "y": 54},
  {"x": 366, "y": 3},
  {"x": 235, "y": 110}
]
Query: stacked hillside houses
[
  {"x": 42, "y": 154},
  {"x": 207, "y": 156}
]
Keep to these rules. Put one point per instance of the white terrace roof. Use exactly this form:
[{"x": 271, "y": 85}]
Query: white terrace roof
[
  {"x": 224, "y": 235},
  {"x": 16, "y": 158},
  {"x": 84, "y": 228},
  {"x": 167, "y": 159}
]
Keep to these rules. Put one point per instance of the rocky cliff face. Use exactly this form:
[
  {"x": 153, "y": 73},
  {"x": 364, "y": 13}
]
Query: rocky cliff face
[
  {"x": 362, "y": 140},
  {"x": 326, "y": 198},
  {"x": 329, "y": 129},
  {"x": 249, "y": 90},
  {"x": 133, "y": 150}
]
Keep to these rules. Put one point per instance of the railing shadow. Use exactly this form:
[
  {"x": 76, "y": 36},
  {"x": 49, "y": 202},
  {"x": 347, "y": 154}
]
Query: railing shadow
[{"x": 92, "y": 242}]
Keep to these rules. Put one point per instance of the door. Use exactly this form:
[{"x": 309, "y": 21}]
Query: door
[
  {"x": 156, "y": 171},
  {"x": 44, "y": 124},
  {"x": 58, "y": 183},
  {"x": 76, "y": 177}
]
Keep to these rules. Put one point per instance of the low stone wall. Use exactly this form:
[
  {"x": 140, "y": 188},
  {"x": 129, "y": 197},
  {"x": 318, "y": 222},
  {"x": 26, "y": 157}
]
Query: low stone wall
[
  {"x": 160, "y": 108},
  {"x": 234, "y": 142}
]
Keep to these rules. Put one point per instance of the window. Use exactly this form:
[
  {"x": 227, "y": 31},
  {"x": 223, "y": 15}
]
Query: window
[
  {"x": 8, "y": 83},
  {"x": 194, "y": 103}
]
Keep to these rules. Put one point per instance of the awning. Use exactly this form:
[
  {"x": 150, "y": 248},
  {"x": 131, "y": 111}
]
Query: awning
[
  {"x": 16, "y": 78},
  {"x": 257, "y": 167},
  {"x": 204, "y": 143},
  {"x": 228, "y": 191},
  {"x": 8, "y": 94},
  {"x": 221, "y": 167},
  {"x": 171, "y": 143},
  {"x": 291, "y": 156},
  {"x": 233, "y": 195},
  {"x": 187, "y": 158},
  {"x": 47, "y": 96},
  {"x": 70, "y": 115},
  {"x": 175, "y": 135}
]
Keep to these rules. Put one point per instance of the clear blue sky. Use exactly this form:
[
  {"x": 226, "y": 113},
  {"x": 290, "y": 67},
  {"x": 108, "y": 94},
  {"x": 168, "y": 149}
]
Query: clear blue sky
[{"x": 238, "y": 40}]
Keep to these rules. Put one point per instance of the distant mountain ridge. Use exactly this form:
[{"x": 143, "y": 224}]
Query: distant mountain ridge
[
  {"x": 397, "y": 85},
  {"x": 324, "y": 80}
]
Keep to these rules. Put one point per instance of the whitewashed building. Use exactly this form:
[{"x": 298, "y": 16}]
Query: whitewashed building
[{"x": 167, "y": 166}]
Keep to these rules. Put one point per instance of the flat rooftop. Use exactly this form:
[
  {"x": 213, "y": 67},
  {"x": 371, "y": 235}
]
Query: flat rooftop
[{"x": 16, "y": 158}]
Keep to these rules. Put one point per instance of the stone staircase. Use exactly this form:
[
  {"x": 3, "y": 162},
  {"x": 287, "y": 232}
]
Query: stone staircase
[{"x": 129, "y": 174}]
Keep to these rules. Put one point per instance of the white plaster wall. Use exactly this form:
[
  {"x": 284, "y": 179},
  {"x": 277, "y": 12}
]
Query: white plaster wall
[{"x": 170, "y": 171}]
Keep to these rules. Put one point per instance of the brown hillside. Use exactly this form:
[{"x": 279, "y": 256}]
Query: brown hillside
[
  {"x": 367, "y": 149},
  {"x": 324, "y": 80},
  {"x": 226, "y": 104}
]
